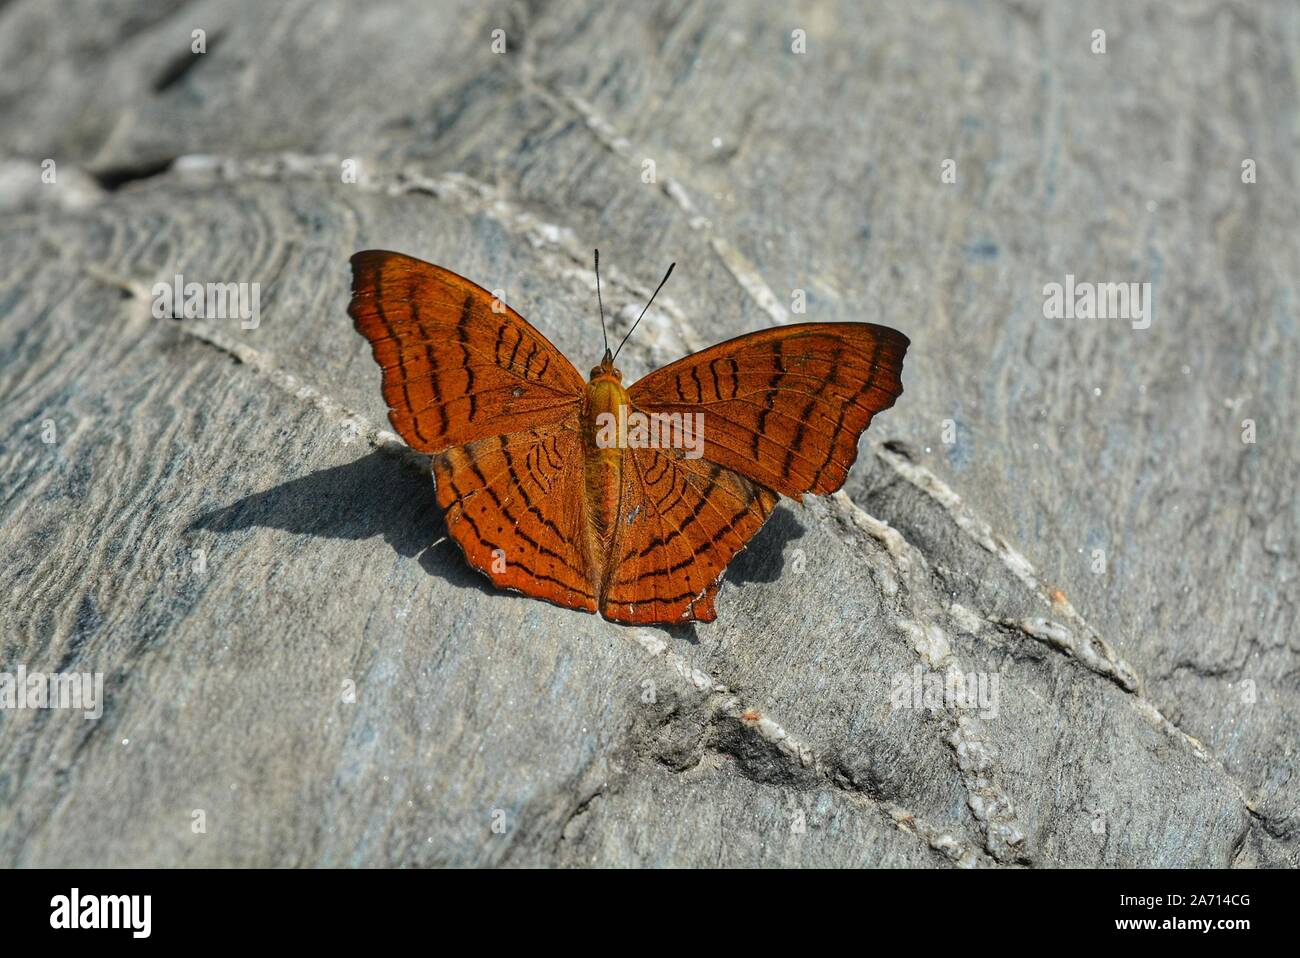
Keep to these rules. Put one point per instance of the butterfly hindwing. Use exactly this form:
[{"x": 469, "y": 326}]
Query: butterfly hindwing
[
  {"x": 784, "y": 406},
  {"x": 513, "y": 503},
  {"x": 680, "y": 523},
  {"x": 455, "y": 369}
]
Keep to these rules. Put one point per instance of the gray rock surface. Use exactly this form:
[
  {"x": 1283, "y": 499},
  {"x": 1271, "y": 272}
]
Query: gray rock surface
[{"x": 224, "y": 528}]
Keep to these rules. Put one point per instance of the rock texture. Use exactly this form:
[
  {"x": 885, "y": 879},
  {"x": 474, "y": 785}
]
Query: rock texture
[{"x": 220, "y": 524}]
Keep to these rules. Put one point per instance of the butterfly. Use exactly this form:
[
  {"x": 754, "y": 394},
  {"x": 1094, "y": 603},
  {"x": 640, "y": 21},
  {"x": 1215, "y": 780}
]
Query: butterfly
[{"x": 629, "y": 501}]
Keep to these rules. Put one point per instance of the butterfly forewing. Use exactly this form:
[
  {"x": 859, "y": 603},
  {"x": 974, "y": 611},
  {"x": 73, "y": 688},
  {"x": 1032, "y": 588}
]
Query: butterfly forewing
[
  {"x": 458, "y": 364},
  {"x": 784, "y": 406}
]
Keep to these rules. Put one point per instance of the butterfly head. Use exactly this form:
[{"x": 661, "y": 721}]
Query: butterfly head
[{"x": 606, "y": 369}]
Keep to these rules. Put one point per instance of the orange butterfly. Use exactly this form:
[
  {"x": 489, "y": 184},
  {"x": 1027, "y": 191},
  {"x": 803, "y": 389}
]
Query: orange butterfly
[{"x": 629, "y": 501}]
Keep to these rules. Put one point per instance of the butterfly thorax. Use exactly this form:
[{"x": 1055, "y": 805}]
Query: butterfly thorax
[{"x": 604, "y": 461}]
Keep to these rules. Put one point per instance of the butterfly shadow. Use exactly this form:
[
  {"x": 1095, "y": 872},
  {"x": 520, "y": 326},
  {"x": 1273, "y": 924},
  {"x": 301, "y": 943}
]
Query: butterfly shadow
[
  {"x": 374, "y": 495},
  {"x": 341, "y": 502},
  {"x": 763, "y": 559}
]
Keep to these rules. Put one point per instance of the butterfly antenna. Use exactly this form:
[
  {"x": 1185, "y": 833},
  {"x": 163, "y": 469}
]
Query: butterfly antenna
[
  {"x": 647, "y": 306},
  {"x": 604, "y": 335}
]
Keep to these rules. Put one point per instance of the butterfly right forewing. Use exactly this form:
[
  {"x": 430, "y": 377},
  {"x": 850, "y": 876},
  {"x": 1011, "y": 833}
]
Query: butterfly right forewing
[{"x": 785, "y": 406}]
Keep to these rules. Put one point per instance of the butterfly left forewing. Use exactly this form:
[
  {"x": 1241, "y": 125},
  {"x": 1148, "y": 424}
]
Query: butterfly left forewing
[
  {"x": 681, "y": 521},
  {"x": 458, "y": 365},
  {"x": 784, "y": 406}
]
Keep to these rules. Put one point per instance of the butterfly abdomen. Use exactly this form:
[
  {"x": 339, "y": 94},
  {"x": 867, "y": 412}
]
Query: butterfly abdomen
[{"x": 604, "y": 455}]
